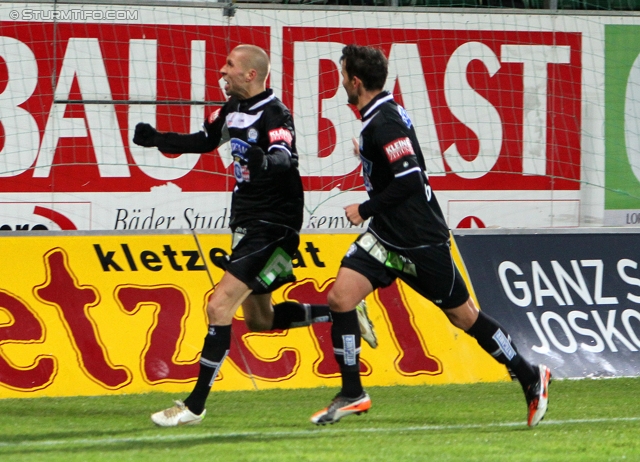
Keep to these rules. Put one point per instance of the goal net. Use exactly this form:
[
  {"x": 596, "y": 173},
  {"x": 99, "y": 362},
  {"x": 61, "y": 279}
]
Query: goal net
[{"x": 509, "y": 107}]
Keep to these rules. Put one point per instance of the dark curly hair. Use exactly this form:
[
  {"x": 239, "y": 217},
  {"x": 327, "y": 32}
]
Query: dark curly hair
[{"x": 367, "y": 63}]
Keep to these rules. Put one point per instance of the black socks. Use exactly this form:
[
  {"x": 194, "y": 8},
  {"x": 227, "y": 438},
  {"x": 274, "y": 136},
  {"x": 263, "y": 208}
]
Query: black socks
[
  {"x": 492, "y": 337},
  {"x": 345, "y": 335},
  {"x": 293, "y": 314},
  {"x": 215, "y": 350}
]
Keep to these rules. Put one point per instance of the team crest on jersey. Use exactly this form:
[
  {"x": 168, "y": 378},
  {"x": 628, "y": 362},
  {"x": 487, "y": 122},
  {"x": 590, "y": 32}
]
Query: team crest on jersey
[
  {"x": 405, "y": 116},
  {"x": 398, "y": 149},
  {"x": 252, "y": 135},
  {"x": 280, "y": 134}
]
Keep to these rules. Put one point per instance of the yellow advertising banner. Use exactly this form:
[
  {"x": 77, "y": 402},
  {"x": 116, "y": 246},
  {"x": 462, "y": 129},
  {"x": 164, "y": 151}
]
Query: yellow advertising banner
[{"x": 108, "y": 313}]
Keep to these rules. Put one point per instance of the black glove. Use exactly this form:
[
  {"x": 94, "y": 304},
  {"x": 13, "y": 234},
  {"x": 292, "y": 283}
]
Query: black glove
[
  {"x": 145, "y": 135},
  {"x": 257, "y": 162}
]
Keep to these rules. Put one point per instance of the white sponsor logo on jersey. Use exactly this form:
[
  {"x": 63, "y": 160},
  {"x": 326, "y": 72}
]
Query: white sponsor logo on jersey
[
  {"x": 239, "y": 153},
  {"x": 239, "y": 149},
  {"x": 242, "y": 120},
  {"x": 398, "y": 148},
  {"x": 280, "y": 134},
  {"x": 367, "y": 168}
]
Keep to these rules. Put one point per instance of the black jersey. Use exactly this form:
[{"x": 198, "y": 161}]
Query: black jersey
[
  {"x": 390, "y": 152},
  {"x": 276, "y": 196}
]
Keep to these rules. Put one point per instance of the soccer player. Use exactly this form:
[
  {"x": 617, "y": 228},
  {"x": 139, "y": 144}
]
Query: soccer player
[
  {"x": 407, "y": 238},
  {"x": 266, "y": 217}
]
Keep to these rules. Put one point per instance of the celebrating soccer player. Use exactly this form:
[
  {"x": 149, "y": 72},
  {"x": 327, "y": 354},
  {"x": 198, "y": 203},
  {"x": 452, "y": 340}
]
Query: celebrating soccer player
[
  {"x": 266, "y": 216},
  {"x": 407, "y": 238}
]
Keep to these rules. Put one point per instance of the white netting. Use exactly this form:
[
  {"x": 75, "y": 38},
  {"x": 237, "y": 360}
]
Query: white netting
[{"x": 509, "y": 107}]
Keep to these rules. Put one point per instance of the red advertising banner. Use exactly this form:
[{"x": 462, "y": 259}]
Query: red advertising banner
[
  {"x": 505, "y": 106},
  {"x": 500, "y": 108},
  {"x": 98, "y": 74}
]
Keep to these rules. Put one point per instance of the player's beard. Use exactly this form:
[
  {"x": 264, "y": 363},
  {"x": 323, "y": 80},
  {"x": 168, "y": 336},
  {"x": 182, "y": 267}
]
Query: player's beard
[{"x": 353, "y": 97}]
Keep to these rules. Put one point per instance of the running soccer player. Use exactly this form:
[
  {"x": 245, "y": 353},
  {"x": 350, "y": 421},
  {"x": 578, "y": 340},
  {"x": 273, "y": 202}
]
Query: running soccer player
[
  {"x": 266, "y": 217},
  {"x": 407, "y": 238}
]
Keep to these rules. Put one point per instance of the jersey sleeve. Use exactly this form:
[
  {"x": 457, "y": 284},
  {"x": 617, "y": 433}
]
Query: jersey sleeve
[
  {"x": 214, "y": 125},
  {"x": 393, "y": 141},
  {"x": 396, "y": 193},
  {"x": 205, "y": 140},
  {"x": 280, "y": 132},
  {"x": 397, "y": 149}
]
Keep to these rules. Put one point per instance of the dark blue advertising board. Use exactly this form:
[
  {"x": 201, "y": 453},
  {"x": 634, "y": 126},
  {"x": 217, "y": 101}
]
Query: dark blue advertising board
[{"x": 570, "y": 299}]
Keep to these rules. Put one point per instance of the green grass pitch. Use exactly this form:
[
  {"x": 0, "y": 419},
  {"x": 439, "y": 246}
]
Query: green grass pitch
[{"x": 587, "y": 420}]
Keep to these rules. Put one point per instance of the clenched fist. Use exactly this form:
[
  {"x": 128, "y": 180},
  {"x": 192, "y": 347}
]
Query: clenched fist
[{"x": 145, "y": 135}]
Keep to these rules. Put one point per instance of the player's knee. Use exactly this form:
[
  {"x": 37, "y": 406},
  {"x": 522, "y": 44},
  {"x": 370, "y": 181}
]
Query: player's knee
[
  {"x": 215, "y": 314},
  {"x": 332, "y": 299},
  {"x": 463, "y": 317},
  {"x": 337, "y": 302}
]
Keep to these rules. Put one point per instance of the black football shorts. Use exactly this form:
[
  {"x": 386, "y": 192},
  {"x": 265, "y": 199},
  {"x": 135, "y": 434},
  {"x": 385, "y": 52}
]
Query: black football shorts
[
  {"x": 261, "y": 256},
  {"x": 429, "y": 270}
]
